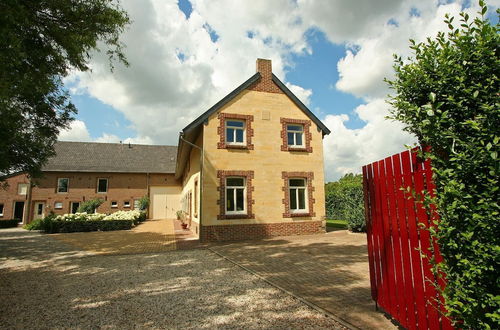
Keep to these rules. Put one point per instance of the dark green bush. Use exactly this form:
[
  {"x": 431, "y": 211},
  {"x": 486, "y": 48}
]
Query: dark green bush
[
  {"x": 90, "y": 206},
  {"x": 45, "y": 224},
  {"x": 61, "y": 226},
  {"x": 9, "y": 223},
  {"x": 144, "y": 203},
  {"x": 344, "y": 201},
  {"x": 448, "y": 96}
]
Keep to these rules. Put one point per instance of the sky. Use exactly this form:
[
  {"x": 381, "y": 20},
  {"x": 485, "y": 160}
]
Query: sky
[{"x": 186, "y": 55}]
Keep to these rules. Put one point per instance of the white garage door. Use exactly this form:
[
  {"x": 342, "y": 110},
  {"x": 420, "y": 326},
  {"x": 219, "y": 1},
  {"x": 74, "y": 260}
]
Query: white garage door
[{"x": 164, "y": 202}]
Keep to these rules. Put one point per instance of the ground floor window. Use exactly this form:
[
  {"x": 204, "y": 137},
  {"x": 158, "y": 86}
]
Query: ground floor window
[
  {"x": 297, "y": 190},
  {"x": 114, "y": 204},
  {"x": 126, "y": 204},
  {"x": 1, "y": 210},
  {"x": 235, "y": 195},
  {"x": 74, "y": 207}
]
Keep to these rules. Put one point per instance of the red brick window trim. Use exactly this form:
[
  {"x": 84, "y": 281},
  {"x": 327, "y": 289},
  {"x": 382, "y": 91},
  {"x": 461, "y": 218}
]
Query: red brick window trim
[
  {"x": 307, "y": 136},
  {"x": 308, "y": 176},
  {"x": 221, "y": 130},
  {"x": 223, "y": 175}
]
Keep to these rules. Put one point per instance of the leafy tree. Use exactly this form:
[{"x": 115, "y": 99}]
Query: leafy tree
[
  {"x": 448, "y": 96},
  {"x": 344, "y": 201},
  {"x": 90, "y": 206},
  {"x": 42, "y": 41}
]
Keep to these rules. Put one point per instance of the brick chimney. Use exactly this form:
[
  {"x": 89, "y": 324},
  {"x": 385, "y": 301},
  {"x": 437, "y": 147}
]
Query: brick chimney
[
  {"x": 265, "y": 83},
  {"x": 264, "y": 67}
]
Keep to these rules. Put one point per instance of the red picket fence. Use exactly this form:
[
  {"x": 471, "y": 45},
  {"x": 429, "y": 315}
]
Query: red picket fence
[{"x": 399, "y": 245}]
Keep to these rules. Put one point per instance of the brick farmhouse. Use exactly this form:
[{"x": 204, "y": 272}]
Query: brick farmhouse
[{"x": 251, "y": 166}]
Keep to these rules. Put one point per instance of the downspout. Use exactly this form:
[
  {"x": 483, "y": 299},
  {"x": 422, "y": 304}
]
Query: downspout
[
  {"x": 148, "y": 193},
  {"x": 29, "y": 211},
  {"x": 202, "y": 165}
]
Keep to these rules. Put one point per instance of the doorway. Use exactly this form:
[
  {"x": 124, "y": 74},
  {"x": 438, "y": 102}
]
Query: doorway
[
  {"x": 74, "y": 207},
  {"x": 19, "y": 211}
]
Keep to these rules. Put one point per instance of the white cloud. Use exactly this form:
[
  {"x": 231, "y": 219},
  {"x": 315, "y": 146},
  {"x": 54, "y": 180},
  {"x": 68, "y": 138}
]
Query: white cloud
[
  {"x": 77, "y": 131},
  {"x": 178, "y": 70}
]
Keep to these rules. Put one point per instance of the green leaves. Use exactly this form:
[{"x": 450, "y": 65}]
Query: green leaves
[{"x": 448, "y": 96}]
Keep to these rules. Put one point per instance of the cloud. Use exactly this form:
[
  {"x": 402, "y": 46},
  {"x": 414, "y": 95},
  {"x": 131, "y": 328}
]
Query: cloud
[
  {"x": 77, "y": 131},
  {"x": 181, "y": 66}
]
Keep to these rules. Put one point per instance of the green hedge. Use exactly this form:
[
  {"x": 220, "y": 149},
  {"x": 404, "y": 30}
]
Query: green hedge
[
  {"x": 9, "y": 223},
  {"x": 97, "y": 225}
]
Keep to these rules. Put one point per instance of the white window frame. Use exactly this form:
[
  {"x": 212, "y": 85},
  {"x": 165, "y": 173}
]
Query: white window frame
[
  {"x": 58, "y": 208},
  {"x": 2, "y": 207},
  {"x": 114, "y": 204},
  {"x": 295, "y": 194},
  {"x": 25, "y": 186},
  {"x": 244, "y": 129},
  {"x": 295, "y": 132},
  {"x": 125, "y": 204},
  {"x": 244, "y": 211},
  {"x": 107, "y": 186},
  {"x": 67, "y": 188}
]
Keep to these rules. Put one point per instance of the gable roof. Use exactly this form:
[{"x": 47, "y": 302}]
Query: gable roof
[
  {"x": 192, "y": 130},
  {"x": 111, "y": 157}
]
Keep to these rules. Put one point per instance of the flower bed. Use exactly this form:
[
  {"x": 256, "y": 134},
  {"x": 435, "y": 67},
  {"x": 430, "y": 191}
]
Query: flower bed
[{"x": 82, "y": 222}]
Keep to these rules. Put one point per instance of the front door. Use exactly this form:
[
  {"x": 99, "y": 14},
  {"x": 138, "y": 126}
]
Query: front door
[
  {"x": 19, "y": 211},
  {"x": 39, "y": 211}
]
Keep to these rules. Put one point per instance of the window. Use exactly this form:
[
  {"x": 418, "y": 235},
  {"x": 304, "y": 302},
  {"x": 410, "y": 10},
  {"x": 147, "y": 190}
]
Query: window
[
  {"x": 297, "y": 189},
  {"x": 136, "y": 204},
  {"x": 22, "y": 189},
  {"x": 295, "y": 136},
  {"x": 39, "y": 209},
  {"x": 102, "y": 185},
  {"x": 1, "y": 210},
  {"x": 235, "y": 195},
  {"x": 235, "y": 132},
  {"x": 74, "y": 207},
  {"x": 58, "y": 205},
  {"x": 196, "y": 198},
  {"x": 62, "y": 185},
  {"x": 126, "y": 204},
  {"x": 114, "y": 204}
]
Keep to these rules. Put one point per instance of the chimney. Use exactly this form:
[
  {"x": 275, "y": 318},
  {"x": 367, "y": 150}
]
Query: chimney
[{"x": 264, "y": 67}]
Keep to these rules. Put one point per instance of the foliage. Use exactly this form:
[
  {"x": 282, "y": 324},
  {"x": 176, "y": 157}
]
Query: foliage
[
  {"x": 144, "y": 203},
  {"x": 448, "y": 96},
  {"x": 337, "y": 224},
  {"x": 45, "y": 224},
  {"x": 9, "y": 223},
  {"x": 180, "y": 215},
  {"x": 344, "y": 201},
  {"x": 42, "y": 41},
  {"x": 90, "y": 206}
]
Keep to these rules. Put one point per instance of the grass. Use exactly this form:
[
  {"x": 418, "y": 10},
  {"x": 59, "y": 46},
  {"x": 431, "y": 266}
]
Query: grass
[{"x": 337, "y": 224}]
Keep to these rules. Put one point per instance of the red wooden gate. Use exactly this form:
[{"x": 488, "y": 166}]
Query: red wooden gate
[{"x": 399, "y": 244}]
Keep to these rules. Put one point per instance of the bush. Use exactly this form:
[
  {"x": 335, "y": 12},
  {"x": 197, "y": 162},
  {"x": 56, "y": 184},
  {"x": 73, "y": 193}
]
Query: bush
[
  {"x": 447, "y": 95},
  {"x": 9, "y": 223},
  {"x": 345, "y": 201},
  {"x": 90, "y": 206},
  {"x": 61, "y": 226},
  {"x": 144, "y": 203},
  {"x": 45, "y": 224}
]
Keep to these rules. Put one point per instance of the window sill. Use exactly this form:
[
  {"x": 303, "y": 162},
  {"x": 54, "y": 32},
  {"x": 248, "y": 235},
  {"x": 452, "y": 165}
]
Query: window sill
[
  {"x": 236, "y": 216},
  {"x": 297, "y": 215},
  {"x": 299, "y": 149},
  {"x": 236, "y": 146}
]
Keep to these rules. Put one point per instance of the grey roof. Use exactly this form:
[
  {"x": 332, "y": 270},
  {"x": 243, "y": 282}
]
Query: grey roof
[{"x": 112, "y": 157}]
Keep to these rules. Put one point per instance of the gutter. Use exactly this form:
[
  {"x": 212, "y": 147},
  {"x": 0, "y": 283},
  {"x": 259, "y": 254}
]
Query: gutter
[{"x": 202, "y": 165}]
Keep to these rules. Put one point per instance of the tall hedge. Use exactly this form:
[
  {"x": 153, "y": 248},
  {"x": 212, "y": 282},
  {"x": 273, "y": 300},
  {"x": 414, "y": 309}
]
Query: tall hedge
[
  {"x": 344, "y": 201},
  {"x": 448, "y": 96}
]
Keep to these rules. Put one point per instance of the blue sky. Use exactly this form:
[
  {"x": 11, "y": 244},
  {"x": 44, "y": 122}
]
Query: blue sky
[{"x": 187, "y": 55}]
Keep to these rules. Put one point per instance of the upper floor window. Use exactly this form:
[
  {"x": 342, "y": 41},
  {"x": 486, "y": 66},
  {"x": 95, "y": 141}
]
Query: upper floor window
[
  {"x": 295, "y": 136},
  {"x": 235, "y": 195},
  {"x": 298, "y": 195},
  {"x": 235, "y": 132},
  {"x": 62, "y": 185},
  {"x": 102, "y": 185},
  {"x": 22, "y": 189}
]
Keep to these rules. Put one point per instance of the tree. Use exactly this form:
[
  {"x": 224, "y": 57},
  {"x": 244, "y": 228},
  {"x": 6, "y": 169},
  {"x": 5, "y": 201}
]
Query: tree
[
  {"x": 42, "y": 41},
  {"x": 448, "y": 96},
  {"x": 344, "y": 201}
]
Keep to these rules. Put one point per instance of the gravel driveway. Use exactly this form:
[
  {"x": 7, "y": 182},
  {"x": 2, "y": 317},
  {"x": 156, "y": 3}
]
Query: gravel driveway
[{"x": 47, "y": 284}]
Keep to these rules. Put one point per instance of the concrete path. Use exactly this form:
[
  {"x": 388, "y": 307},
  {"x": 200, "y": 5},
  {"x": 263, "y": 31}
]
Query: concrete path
[
  {"x": 149, "y": 237},
  {"x": 328, "y": 270}
]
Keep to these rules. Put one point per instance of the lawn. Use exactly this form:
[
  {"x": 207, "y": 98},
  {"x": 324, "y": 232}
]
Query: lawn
[{"x": 336, "y": 224}]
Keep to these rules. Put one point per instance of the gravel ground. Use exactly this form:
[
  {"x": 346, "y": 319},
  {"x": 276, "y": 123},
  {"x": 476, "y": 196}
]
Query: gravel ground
[{"x": 46, "y": 284}]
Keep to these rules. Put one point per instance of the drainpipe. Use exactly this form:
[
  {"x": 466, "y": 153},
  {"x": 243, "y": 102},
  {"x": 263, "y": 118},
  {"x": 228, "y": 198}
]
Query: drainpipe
[
  {"x": 202, "y": 165},
  {"x": 29, "y": 211}
]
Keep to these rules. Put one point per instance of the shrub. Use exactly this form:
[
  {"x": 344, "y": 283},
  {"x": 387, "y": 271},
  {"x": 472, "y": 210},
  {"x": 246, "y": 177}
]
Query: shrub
[
  {"x": 144, "y": 203},
  {"x": 46, "y": 224},
  {"x": 447, "y": 95},
  {"x": 90, "y": 206},
  {"x": 61, "y": 226},
  {"x": 9, "y": 223},
  {"x": 344, "y": 201}
]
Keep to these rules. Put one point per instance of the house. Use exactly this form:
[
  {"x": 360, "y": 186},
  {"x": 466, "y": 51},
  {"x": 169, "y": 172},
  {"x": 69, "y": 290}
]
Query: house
[{"x": 250, "y": 166}]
